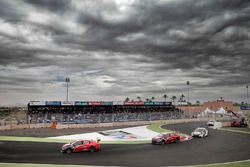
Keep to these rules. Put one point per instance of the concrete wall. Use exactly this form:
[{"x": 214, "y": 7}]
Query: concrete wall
[{"x": 72, "y": 126}]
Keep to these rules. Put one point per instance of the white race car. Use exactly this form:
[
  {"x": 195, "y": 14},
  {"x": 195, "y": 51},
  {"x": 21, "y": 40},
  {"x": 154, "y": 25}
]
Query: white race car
[{"x": 200, "y": 132}]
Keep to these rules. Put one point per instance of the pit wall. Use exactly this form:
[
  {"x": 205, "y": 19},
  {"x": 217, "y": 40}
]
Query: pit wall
[{"x": 114, "y": 124}]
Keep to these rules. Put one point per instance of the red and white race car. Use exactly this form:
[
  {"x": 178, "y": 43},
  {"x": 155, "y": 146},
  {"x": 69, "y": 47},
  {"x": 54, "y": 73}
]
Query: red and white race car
[
  {"x": 81, "y": 145},
  {"x": 166, "y": 138}
]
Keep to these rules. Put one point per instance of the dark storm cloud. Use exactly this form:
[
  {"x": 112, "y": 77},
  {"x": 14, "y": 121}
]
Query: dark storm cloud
[
  {"x": 54, "y": 5},
  {"x": 123, "y": 44},
  {"x": 10, "y": 12},
  {"x": 204, "y": 22}
]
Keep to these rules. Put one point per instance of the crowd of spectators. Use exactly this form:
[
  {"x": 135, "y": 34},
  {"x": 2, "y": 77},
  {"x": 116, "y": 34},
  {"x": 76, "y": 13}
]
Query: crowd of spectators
[{"x": 102, "y": 114}]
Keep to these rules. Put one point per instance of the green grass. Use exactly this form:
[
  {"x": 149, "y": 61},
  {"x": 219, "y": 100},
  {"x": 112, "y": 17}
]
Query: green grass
[
  {"x": 35, "y": 139},
  {"x": 159, "y": 129},
  {"x": 32, "y": 139},
  {"x": 37, "y": 165}
]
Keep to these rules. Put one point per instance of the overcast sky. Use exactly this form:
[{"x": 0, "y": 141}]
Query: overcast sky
[{"x": 113, "y": 49}]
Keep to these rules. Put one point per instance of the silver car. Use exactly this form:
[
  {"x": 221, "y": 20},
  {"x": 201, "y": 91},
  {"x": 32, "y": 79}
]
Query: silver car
[{"x": 200, "y": 132}]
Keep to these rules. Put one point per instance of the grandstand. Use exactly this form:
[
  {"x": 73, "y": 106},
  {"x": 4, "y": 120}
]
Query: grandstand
[{"x": 83, "y": 112}]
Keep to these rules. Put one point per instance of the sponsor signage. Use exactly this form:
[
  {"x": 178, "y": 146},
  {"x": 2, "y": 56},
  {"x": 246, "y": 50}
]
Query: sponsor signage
[
  {"x": 136, "y": 103},
  {"x": 67, "y": 103},
  {"x": 81, "y": 103},
  {"x": 148, "y": 103},
  {"x": 245, "y": 107},
  {"x": 120, "y": 103},
  {"x": 168, "y": 103},
  {"x": 37, "y": 103},
  {"x": 53, "y": 103},
  {"x": 107, "y": 103},
  {"x": 158, "y": 103},
  {"x": 95, "y": 103}
]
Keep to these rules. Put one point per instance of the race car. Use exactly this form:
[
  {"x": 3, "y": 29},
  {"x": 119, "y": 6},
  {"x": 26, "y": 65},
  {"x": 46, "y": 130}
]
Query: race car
[
  {"x": 166, "y": 138},
  {"x": 81, "y": 145},
  {"x": 211, "y": 123},
  {"x": 200, "y": 132}
]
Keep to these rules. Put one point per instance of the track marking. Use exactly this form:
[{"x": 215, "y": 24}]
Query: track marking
[
  {"x": 236, "y": 163},
  {"x": 236, "y": 131}
]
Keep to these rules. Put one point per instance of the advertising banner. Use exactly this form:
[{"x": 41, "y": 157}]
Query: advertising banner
[
  {"x": 107, "y": 103},
  {"x": 134, "y": 103},
  {"x": 53, "y": 103},
  {"x": 159, "y": 103},
  {"x": 81, "y": 103},
  {"x": 245, "y": 107},
  {"x": 37, "y": 103},
  {"x": 148, "y": 103},
  {"x": 67, "y": 103},
  {"x": 95, "y": 103},
  {"x": 118, "y": 103}
]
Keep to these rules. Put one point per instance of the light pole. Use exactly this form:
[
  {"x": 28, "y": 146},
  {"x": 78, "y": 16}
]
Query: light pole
[
  {"x": 247, "y": 98},
  {"x": 188, "y": 83},
  {"x": 67, "y": 82}
]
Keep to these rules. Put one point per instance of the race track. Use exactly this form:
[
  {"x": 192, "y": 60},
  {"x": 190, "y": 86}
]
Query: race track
[{"x": 219, "y": 146}]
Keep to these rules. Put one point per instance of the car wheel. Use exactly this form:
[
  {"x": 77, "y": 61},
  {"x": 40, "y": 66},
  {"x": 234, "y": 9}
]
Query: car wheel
[
  {"x": 92, "y": 149},
  {"x": 68, "y": 151},
  {"x": 161, "y": 142}
]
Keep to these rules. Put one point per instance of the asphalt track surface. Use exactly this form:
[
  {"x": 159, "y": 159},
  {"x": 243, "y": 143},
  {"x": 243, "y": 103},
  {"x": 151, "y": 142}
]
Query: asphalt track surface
[{"x": 219, "y": 146}]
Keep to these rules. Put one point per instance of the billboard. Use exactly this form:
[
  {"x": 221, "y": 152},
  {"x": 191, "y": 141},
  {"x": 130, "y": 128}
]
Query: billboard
[
  {"x": 159, "y": 103},
  {"x": 53, "y": 103},
  {"x": 134, "y": 103},
  {"x": 245, "y": 107},
  {"x": 148, "y": 103},
  {"x": 81, "y": 103},
  {"x": 67, "y": 103},
  {"x": 94, "y": 103},
  {"x": 107, "y": 103},
  {"x": 37, "y": 103},
  {"x": 118, "y": 103}
]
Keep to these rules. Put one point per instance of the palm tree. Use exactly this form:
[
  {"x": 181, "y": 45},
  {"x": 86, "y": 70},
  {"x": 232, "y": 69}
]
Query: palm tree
[
  {"x": 165, "y": 97},
  {"x": 182, "y": 98},
  {"x": 127, "y": 99},
  {"x": 147, "y": 99},
  {"x": 198, "y": 102},
  {"x": 139, "y": 98},
  {"x": 152, "y": 98},
  {"x": 173, "y": 98}
]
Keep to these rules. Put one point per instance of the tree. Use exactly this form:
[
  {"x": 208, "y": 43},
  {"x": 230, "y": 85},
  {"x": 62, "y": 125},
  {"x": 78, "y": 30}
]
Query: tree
[
  {"x": 127, "y": 99},
  {"x": 152, "y": 98},
  {"x": 139, "y": 98},
  {"x": 147, "y": 99},
  {"x": 182, "y": 98},
  {"x": 173, "y": 98},
  {"x": 198, "y": 102},
  {"x": 165, "y": 97}
]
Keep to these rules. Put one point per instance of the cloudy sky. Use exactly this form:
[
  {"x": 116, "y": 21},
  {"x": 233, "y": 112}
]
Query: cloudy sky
[{"x": 113, "y": 49}]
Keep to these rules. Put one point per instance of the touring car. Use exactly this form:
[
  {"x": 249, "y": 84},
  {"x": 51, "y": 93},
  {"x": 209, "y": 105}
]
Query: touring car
[
  {"x": 166, "y": 138},
  {"x": 81, "y": 145},
  {"x": 200, "y": 132}
]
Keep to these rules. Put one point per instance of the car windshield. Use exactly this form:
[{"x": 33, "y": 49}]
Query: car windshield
[
  {"x": 76, "y": 143},
  {"x": 160, "y": 135},
  {"x": 198, "y": 130}
]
